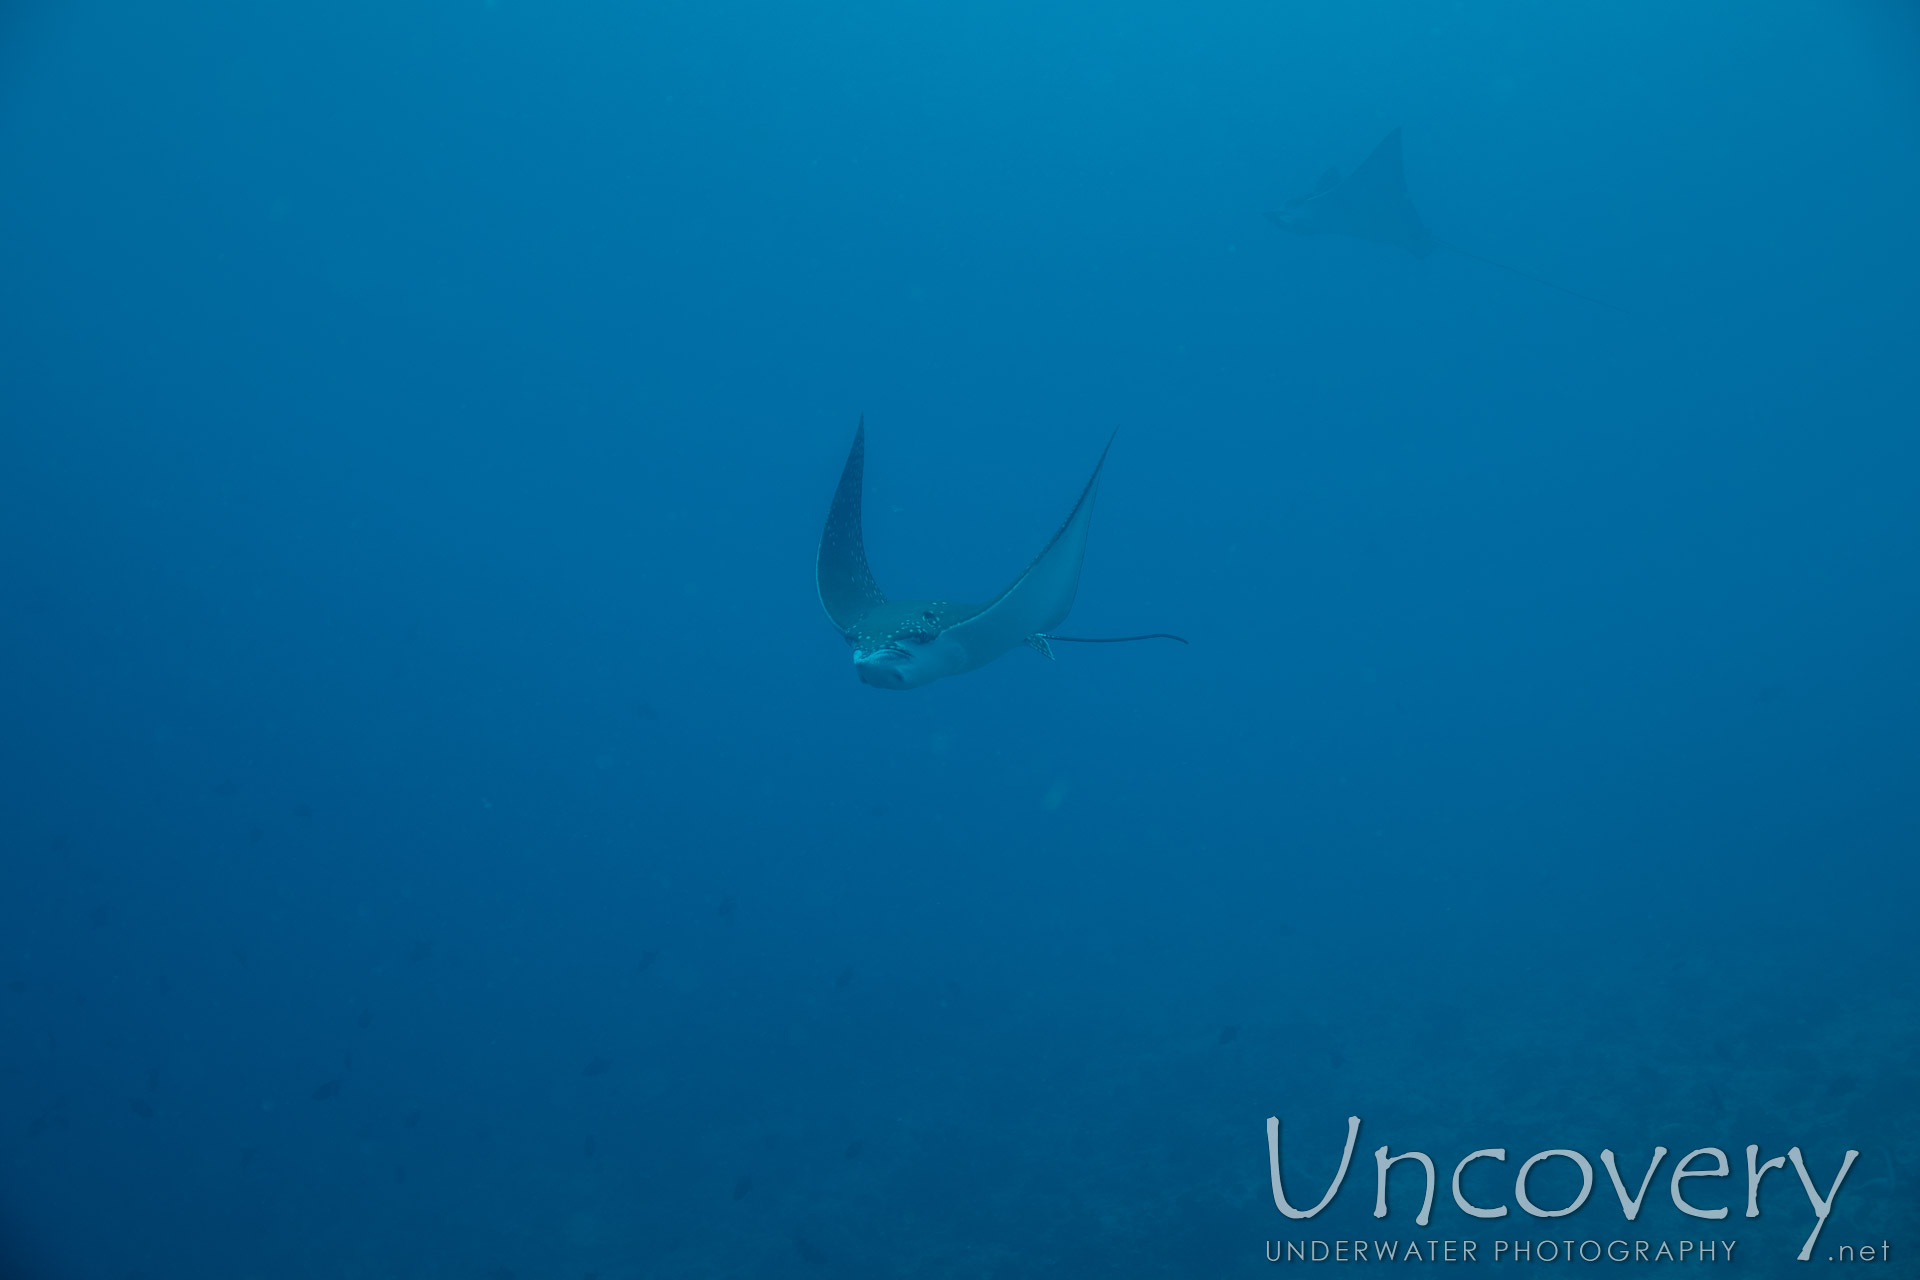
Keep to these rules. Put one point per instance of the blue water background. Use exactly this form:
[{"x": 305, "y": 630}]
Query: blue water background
[{"x": 442, "y": 837}]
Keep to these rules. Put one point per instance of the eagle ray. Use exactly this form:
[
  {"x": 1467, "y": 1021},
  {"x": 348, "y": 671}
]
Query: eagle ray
[
  {"x": 903, "y": 644},
  {"x": 1372, "y": 204}
]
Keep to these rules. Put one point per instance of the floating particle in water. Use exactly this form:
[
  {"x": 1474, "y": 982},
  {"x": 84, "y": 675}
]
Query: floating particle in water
[
  {"x": 1229, "y": 1033},
  {"x": 742, "y": 1186},
  {"x": 845, "y": 979},
  {"x": 727, "y": 905},
  {"x": 326, "y": 1089},
  {"x": 646, "y": 961},
  {"x": 599, "y": 1066},
  {"x": 143, "y": 1108},
  {"x": 854, "y": 1148}
]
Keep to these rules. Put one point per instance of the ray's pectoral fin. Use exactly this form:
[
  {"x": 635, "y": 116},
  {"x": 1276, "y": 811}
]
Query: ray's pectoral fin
[
  {"x": 1039, "y": 599},
  {"x": 846, "y": 585},
  {"x": 1375, "y": 203}
]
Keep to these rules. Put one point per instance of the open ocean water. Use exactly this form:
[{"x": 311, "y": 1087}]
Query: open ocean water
[{"x": 442, "y": 836}]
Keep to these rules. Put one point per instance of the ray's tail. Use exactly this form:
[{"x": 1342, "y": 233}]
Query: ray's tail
[
  {"x": 1528, "y": 275},
  {"x": 1157, "y": 635}
]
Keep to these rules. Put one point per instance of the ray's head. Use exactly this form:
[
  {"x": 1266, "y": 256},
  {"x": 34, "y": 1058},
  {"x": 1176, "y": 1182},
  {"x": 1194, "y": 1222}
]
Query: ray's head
[
  {"x": 893, "y": 666},
  {"x": 897, "y": 645},
  {"x": 1300, "y": 215}
]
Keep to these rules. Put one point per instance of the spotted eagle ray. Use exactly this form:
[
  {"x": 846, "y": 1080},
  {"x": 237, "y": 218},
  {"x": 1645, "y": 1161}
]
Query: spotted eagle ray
[
  {"x": 903, "y": 644},
  {"x": 1371, "y": 203}
]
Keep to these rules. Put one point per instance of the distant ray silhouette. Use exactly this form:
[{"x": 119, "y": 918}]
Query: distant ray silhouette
[{"x": 1372, "y": 204}]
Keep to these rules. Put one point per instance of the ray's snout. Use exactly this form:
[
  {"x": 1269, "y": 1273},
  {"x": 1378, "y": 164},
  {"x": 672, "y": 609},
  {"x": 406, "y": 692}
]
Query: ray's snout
[
  {"x": 883, "y": 668},
  {"x": 1294, "y": 216}
]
